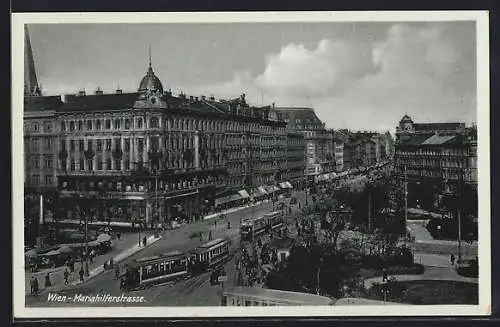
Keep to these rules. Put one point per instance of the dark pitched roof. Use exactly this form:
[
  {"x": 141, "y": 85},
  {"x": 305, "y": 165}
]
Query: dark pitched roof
[
  {"x": 300, "y": 117},
  {"x": 438, "y": 126},
  {"x": 42, "y": 103},
  {"x": 99, "y": 102}
]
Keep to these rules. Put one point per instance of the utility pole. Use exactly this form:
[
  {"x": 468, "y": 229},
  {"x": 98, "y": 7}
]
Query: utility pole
[
  {"x": 369, "y": 209},
  {"x": 406, "y": 204},
  {"x": 459, "y": 202}
]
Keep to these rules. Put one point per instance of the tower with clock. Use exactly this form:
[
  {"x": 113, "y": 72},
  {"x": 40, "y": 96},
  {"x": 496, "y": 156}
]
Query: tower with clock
[{"x": 406, "y": 124}]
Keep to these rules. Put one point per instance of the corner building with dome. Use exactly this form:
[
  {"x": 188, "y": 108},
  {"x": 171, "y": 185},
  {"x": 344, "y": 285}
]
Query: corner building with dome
[{"x": 150, "y": 156}]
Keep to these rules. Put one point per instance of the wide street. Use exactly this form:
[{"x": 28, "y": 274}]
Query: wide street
[{"x": 195, "y": 291}]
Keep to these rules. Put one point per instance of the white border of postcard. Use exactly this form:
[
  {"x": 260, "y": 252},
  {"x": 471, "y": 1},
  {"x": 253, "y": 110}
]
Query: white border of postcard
[{"x": 482, "y": 34}]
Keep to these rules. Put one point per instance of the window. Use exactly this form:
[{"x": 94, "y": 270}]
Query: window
[
  {"x": 82, "y": 164},
  {"x": 71, "y": 125},
  {"x": 154, "y": 123},
  {"x": 48, "y": 163},
  {"x": 126, "y": 144},
  {"x": 139, "y": 123},
  {"x": 63, "y": 145},
  {"x": 99, "y": 145},
  {"x": 118, "y": 164},
  {"x": 89, "y": 125},
  {"x": 127, "y": 165},
  {"x": 35, "y": 127},
  {"x": 127, "y": 123},
  {"x": 117, "y": 123},
  {"x": 36, "y": 163},
  {"x": 155, "y": 143},
  {"x": 108, "y": 144},
  {"x": 140, "y": 145},
  {"x": 72, "y": 166},
  {"x": 48, "y": 127},
  {"x": 98, "y": 124},
  {"x": 36, "y": 179},
  {"x": 80, "y": 125},
  {"x": 89, "y": 145},
  {"x": 108, "y": 124},
  {"x": 48, "y": 180},
  {"x": 90, "y": 164},
  {"x": 48, "y": 143},
  {"x": 118, "y": 144},
  {"x": 81, "y": 145},
  {"x": 99, "y": 164},
  {"x": 63, "y": 126},
  {"x": 108, "y": 164}
]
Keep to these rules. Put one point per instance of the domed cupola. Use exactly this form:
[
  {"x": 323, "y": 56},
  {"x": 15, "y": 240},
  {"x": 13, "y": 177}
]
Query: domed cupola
[{"x": 150, "y": 82}]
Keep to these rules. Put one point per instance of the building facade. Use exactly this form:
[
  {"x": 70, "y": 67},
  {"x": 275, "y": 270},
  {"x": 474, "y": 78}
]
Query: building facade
[
  {"x": 435, "y": 158},
  {"x": 150, "y": 156},
  {"x": 296, "y": 157},
  {"x": 319, "y": 141}
]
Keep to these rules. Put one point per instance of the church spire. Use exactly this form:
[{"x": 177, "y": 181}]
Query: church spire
[
  {"x": 31, "y": 87},
  {"x": 149, "y": 55}
]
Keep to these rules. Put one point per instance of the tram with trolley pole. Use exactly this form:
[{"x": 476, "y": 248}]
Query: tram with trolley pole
[{"x": 174, "y": 266}]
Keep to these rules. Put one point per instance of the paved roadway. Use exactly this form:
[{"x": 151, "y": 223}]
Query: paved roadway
[{"x": 194, "y": 291}]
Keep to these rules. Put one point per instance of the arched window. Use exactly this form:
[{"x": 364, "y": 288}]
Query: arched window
[
  {"x": 98, "y": 124},
  {"x": 117, "y": 123},
  {"x": 80, "y": 125},
  {"x": 63, "y": 126},
  {"x": 127, "y": 123},
  {"x": 71, "y": 125},
  {"x": 108, "y": 124},
  {"x": 139, "y": 123},
  {"x": 154, "y": 122},
  {"x": 89, "y": 125}
]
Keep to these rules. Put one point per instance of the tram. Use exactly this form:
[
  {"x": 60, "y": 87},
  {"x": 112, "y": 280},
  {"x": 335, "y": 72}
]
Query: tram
[
  {"x": 253, "y": 228},
  {"x": 175, "y": 265},
  {"x": 209, "y": 255},
  {"x": 157, "y": 269}
]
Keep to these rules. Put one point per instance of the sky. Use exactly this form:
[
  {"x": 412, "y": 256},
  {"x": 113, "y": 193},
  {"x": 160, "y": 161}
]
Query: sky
[{"x": 362, "y": 76}]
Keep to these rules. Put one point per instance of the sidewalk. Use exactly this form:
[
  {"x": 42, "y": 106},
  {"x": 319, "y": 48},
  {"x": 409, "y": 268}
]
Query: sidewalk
[
  {"x": 123, "y": 248},
  {"x": 231, "y": 210},
  {"x": 431, "y": 273}
]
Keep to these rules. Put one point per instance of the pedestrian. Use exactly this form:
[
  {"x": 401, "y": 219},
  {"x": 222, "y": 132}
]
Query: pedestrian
[
  {"x": 144, "y": 240},
  {"x": 111, "y": 263},
  {"x": 66, "y": 275},
  {"x": 118, "y": 235},
  {"x": 47, "y": 280},
  {"x": 384, "y": 275},
  {"x": 72, "y": 266},
  {"x": 91, "y": 256},
  {"x": 81, "y": 273},
  {"x": 117, "y": 272},
  {"x": 452, "y": 259},
  {"x": 210, "y": 235},
  {"x": 32, "y": 284},
  {"x": 35, "y": 285}
]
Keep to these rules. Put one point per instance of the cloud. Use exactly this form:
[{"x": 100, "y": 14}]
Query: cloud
[{"x": 363, "y": 85}]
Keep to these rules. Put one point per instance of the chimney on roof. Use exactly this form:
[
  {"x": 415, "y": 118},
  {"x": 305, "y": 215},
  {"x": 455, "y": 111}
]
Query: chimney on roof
[
  {"x": 81, "y": 92},
  {"x": 203, "y": 97},
  {"x": 119, "y": 91},
  {"x": 98, "y": 91}
]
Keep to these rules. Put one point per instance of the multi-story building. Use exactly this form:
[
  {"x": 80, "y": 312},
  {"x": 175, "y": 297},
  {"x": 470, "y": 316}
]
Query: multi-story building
[
  {"x": 149, "y": 155},
  {"x": 339, "y": 143},
  {"x": 436, "y": 156},
  {"x": 319, "y": 141},
  {"x": 296, "y": 154}
]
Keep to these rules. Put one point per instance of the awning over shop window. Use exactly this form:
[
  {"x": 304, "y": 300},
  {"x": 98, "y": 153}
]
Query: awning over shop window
[
  {"x": 244, "y": 194},
  {"x": 261, "y": 189}
]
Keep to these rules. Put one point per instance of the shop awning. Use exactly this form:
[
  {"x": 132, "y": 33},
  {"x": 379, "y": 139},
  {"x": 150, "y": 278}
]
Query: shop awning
[
  {"x": 287, "y": 183},
  {"x": 244, "y": 194},
  {"x": 283, "y": 185},
  {"x": 262, "y": 190}
]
